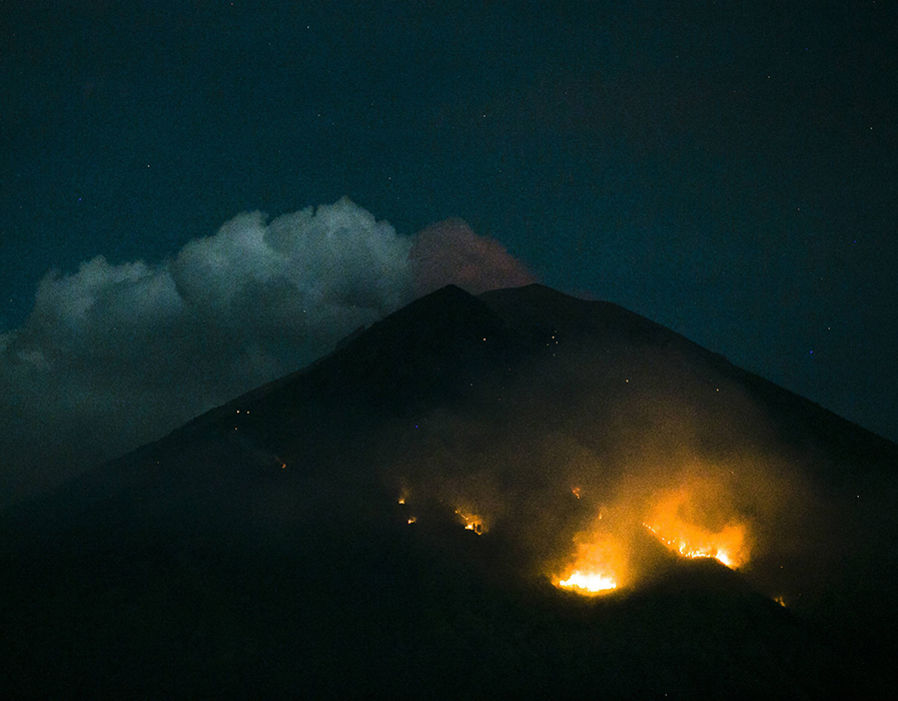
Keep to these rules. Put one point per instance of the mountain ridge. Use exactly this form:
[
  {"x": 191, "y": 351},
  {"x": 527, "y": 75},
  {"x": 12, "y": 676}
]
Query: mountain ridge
[{"x": 447, "y": 464}]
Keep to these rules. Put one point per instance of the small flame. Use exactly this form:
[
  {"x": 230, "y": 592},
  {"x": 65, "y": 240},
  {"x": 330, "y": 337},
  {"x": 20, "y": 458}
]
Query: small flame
[
  {"x": 411, "y": 519},
  {"x": 575, "y": 491},
  {"x": 472, "y": 522}
]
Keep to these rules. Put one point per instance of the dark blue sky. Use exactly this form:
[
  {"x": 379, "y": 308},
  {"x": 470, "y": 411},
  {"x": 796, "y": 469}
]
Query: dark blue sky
[{"x": 727, "y": 169}]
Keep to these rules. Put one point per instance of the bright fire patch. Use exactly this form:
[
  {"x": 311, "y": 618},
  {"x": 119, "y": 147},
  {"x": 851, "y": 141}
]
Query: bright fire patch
[
  {"x": 599, "y": 564},
  {"x": 590, "y": 583}
]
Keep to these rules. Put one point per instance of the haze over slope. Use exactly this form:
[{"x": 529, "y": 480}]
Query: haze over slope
[{"x": 437, "y": 474}]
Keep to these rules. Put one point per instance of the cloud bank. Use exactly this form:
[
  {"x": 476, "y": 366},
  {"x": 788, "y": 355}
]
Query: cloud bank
[{"x": 115, "y": 355}]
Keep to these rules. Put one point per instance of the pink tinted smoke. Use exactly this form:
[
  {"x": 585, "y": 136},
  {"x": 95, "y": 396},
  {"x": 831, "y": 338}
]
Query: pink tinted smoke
[{"x": 449, "y": 252}]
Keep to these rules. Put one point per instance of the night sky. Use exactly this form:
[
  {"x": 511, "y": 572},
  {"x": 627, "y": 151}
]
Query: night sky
[{"x": 727, "y": 169}]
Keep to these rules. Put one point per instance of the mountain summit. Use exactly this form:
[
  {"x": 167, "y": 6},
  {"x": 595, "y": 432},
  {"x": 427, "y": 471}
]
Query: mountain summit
[{"x": 519, "y": 493}]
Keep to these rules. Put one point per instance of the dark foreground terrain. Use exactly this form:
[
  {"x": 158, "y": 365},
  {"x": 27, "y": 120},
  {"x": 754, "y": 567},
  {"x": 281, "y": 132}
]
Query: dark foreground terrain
[{"x": 262, "y": 549}]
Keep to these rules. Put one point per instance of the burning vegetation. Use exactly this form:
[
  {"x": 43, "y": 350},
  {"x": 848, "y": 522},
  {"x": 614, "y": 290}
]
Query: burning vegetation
[
  {"x": 599, "y": 511},
  {"x": 599, "y": 565},
  {"x": 472, "y": 522},
  {"x": 696, "y": 520},
  {"x": 698, "y": 530},
  {"x": 701, "y": 544},
  {"x": 468, "y": 518},
  {"x": 612, "y": 548},
  {"x": 601, "y": 560},
  {"x": 588, "y": 584}
]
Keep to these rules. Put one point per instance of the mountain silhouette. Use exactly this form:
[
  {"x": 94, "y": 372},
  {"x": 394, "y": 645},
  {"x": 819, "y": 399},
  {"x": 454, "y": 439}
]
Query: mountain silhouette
[{"x": 409, "y": 515}]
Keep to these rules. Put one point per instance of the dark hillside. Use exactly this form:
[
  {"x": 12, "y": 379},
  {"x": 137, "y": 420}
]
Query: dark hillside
[{"x": 397, "y": 518}]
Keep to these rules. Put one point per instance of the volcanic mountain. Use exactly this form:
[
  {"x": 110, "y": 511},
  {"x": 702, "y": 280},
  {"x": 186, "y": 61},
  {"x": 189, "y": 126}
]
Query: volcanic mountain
[{"x": 518, "y": 494}]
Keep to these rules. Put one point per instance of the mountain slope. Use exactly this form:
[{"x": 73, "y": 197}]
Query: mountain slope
[{"x": 263, "y": 546}]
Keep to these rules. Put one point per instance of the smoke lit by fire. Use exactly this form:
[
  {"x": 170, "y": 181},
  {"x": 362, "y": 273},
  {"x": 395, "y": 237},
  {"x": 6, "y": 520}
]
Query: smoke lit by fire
[
  {"x": 686, "y": 545},
  {"x": 694, "y": 520},
  {"x": 681, "y": 524},
  {"x": 600, "y": 563},
  {"x": 605, "y": 512}
]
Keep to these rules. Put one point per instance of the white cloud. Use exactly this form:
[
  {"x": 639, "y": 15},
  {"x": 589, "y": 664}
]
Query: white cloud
[{"x": 115, "y": 355}]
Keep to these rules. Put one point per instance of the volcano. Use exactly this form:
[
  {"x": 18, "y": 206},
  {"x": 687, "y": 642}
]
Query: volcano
[{"x": 515, "y": 494}]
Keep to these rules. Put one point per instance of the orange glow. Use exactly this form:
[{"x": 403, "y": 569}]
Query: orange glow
[
  {"x": 588, "y": 583},
  {"x": 472, "y": 522},
  {"x": 684, "y": 524},
  {"x": 575, "y": 491},
  {"x": 599, "y": 565},
  {"x": 411, "y": 519}
]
